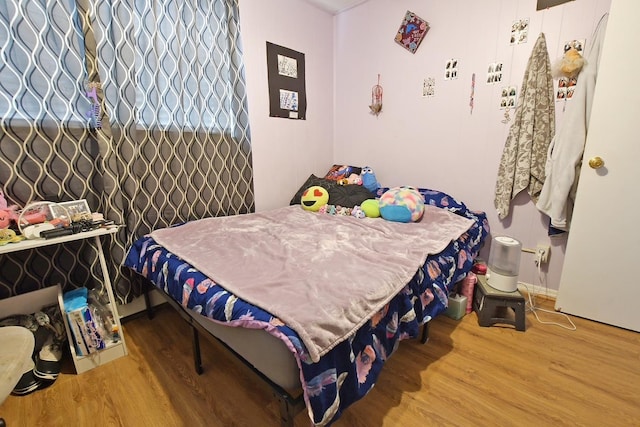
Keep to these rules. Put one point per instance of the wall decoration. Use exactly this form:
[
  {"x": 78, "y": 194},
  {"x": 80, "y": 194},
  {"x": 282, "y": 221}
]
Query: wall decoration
[
  {"x": 429, "y": 87},
  {"x": 566, "y": 88},
  {"x": 519, "y": 31},
  {"x": 568, "y": 68},
  {"x": 473, "y": 92},
  {"x": 545, "y": 4},
  {"x": 287, "y": 87},
  {"x": 376, "y": 99},
  {"x": 508, "y": 98},
  {"x": 576, "y": 44},
  {"x": 508, "y": 102},
  {"x": 494, "y": 73},
  {"x": 451, "y": 69},
  {"x": 288, "y": 100},
  {"x": 411, "y": 31}
]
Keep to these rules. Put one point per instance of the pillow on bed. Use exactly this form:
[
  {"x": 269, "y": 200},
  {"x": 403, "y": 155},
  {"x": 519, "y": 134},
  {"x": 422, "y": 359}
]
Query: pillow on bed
[
  {"x": 343, "y": 195},
  {"x": 338, "y": 172},
  {"x": 310, "y": 182},
  {"x": 349, "y": 195}
]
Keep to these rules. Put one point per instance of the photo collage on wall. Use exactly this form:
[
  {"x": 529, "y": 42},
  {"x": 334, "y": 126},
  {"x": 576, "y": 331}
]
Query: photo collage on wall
[
  {"x": 288, "y": 67},
  {"x": 286, "y": 77},
  {"x": 494, "y": 73},
  {"x": 567, "y": 85},
  {"x": 451, "y": 69},
  {"x": 429, "y": 87},
  {"x": 509, "y": 97},
  {"x": 519, "y": 31}
]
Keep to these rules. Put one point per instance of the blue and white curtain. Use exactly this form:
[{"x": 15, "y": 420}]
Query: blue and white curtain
[{"x": 138, "y": 106}]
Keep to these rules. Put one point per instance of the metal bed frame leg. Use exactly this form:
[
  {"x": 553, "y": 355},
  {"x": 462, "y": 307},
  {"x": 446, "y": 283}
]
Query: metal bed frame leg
[
  {"x": 425, "y": 333},
  {"x": 147, "y": 299},
  {"x": 289, "y": 405},
  {"x": 197, "y": 358},
  {"x": 287, "y": 410}
]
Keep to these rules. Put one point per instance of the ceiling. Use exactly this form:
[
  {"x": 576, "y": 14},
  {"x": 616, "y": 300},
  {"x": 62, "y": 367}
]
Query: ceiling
[{"x": 335, "y": 6}]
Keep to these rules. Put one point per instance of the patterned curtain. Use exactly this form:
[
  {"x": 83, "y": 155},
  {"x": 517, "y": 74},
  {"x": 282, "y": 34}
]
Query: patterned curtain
[{"x": 171, "y": 142}]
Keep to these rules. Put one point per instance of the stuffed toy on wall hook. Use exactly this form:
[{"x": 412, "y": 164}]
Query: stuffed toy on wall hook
[
  {"x": 569, "y": 65},
  {"x": 376, "y": 99}
]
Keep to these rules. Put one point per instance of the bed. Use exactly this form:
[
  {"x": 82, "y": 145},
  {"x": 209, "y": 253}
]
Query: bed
[{"x": 307, "y": 359}]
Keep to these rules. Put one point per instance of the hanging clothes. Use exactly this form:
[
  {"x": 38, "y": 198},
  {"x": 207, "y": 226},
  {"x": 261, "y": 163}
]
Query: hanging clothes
[
  {"x": 567, "y": 147},
  {"x": 522, "y": 165}
]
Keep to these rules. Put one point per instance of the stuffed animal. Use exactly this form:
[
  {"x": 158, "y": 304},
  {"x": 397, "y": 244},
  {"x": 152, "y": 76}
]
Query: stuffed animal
[
  {"x": 352, "y": 179},
  {"x": 371, "y": 208},
  {"x": 341, "y": 210},
  {"x": 355, "y": 179},
  {"x": 335, "y": 210},
  {"x": 357, "y": 212},
  {"x": 369, "y": 180},
  {"x": 569, "y": 65},
  {"x": 402, "y": 204},
  {"x": 314, "y": 198},
  {"x": 7, "y": 213}
]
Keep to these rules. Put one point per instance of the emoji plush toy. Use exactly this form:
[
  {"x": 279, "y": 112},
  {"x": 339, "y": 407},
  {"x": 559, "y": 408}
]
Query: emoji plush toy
[{"x": 314, "y": 198}]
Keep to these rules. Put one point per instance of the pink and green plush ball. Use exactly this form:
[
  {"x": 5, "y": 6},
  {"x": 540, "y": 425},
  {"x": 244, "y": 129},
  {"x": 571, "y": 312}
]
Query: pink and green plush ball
[{"x": 402, "y": 204}]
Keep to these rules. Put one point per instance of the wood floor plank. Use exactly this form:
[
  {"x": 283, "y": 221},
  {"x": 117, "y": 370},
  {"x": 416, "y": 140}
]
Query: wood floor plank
[{"x": 464, "y": 375}]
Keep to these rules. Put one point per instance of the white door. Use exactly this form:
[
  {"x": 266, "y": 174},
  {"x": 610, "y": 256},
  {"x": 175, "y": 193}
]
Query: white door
[{"x": 599, "y": 279}]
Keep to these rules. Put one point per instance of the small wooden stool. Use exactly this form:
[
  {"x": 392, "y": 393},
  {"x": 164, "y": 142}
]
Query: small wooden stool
[{"x": 489, "y": 303}]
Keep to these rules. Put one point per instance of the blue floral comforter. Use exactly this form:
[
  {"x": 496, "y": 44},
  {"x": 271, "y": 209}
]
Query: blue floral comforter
[{"x": 347, "y": 372}]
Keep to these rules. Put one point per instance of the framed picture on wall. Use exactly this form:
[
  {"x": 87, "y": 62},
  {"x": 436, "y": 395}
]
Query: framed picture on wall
[
  {"x": 287, "y": 88},
  {"x": 544, "y": 4},
  {"x": 411, "y": 32}
]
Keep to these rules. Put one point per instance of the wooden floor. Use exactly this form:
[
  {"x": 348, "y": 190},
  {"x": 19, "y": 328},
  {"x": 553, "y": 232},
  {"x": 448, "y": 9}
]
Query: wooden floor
[{"x": 464, "y": 376}]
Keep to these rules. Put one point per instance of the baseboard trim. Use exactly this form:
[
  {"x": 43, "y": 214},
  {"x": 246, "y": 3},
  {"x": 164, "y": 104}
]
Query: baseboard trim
[
  {"x": 538, "y": 291},
  {"x": 138, "y": 305}
]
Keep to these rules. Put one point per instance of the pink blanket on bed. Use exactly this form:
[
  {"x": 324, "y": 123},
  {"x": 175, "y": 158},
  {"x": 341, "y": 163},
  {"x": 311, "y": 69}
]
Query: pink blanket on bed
[{"x": 324, "y": 276}]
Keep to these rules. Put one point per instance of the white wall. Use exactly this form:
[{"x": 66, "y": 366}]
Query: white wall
[
  {"x": 286, "y": 152},
  {"x": 436, "y": 142}
]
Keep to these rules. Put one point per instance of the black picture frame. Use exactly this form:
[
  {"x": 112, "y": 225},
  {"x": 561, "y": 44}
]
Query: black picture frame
[
  {"x": 544, "y": 4},
  {"x": 287, "y": 89}
]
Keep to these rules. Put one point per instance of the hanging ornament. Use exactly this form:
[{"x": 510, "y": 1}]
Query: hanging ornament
[
  {"x": 507, "y": 117},
  {"x": 473, "y": 91},
  {"x": 376, "y": 98}
]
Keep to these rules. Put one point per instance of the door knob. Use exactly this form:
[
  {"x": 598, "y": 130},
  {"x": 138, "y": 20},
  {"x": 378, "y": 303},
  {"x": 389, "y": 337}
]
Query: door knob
[{"x": 596, "y": 162}]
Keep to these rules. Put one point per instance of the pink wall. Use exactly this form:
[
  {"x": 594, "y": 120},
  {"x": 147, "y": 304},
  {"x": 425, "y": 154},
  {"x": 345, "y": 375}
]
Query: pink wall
[
  {"x": 286, "y": 152},
  {"x": 436, "y": 142},
  {"x": 429, "y": 142}
]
